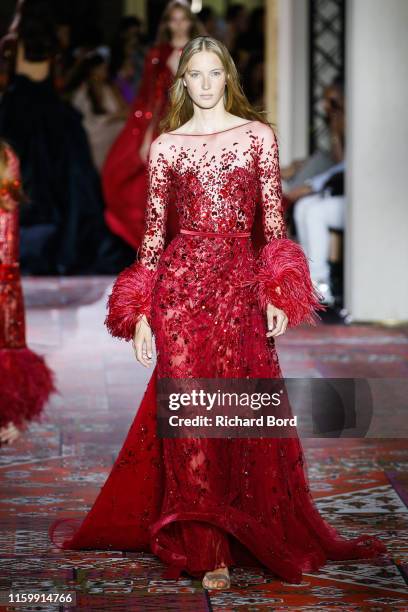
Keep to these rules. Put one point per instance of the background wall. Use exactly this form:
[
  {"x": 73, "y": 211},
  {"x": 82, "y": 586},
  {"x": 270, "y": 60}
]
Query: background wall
[
  {"x": 292, "y": 78},
  {"x": 135, "y": 7},
  {"x": 377, "y": 160}
]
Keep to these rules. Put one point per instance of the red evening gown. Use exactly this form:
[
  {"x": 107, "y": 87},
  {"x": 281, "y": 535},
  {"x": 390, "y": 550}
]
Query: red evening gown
[
  {"x": 196, "y": 502},
  {"x": 124, "y": 173},
  {"x": 25, "y": 379}
]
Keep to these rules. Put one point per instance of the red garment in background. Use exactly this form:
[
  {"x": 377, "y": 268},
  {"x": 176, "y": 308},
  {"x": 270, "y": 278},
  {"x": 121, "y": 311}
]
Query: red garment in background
[
  {"x": 124, "y": 174},
  {"x": 25, "y": 380},
  {"x": 194, "y": 502}
]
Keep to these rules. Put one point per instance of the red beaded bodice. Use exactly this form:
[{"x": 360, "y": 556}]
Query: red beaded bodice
[{"x": 215, "y": 181}]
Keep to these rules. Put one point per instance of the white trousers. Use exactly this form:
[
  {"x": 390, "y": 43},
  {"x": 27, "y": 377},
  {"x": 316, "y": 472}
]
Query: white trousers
[{"x": 314, "y": 216}]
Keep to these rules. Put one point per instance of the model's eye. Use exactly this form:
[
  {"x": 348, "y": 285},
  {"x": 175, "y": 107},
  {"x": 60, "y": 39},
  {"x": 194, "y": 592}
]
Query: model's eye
[
  {"x": 194, "y": 74},
  {"x": 217, "y": 73}
]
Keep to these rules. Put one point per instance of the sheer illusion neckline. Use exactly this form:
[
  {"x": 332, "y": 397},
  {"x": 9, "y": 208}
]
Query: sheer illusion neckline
[{"x": 212, "y": 133}]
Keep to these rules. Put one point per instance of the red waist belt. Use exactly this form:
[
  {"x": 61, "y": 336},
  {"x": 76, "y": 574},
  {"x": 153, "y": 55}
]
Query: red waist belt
[{"x": 222, "y": 234}]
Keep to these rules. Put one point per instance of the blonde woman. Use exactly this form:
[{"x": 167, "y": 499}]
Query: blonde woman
[{"x": 215, "y": 309}]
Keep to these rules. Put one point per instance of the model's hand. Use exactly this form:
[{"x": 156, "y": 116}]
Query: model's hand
[
  {"x": 142, "y": 342},
  {"x": 277, "y": 320}
]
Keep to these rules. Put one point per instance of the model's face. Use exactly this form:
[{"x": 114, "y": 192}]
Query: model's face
[
  {"x": 179, "y": 24},
  {"x": 205, "y": 79}
]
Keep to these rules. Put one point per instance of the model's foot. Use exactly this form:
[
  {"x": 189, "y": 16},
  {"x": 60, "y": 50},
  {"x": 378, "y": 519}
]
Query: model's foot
[
  {"x": 217, "y": 579},
  {"x": 9, "y": 433}
]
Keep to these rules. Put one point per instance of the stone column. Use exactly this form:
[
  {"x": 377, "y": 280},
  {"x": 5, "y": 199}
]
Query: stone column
[{"x": 376, "y": 238}]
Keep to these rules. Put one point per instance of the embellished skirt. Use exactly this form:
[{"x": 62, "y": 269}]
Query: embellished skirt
[{"x": 199, "y": 503}]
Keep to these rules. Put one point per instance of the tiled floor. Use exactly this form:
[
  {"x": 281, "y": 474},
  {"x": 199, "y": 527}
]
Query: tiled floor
[{"x": 59, "y": 466}]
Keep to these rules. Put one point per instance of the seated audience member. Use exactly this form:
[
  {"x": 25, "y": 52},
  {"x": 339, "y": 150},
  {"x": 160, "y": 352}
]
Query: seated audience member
[
  {"x": 314, "y": 216},
  {"x": 103, "y": 108},
  {"x": 318, "y": 197},
  {"x": 62, "y": 224},
  {"x": 295, "y": 175}
]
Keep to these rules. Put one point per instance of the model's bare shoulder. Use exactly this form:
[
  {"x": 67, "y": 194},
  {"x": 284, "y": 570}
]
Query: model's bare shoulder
[
  {"x": 264, "y": 130},
  {"x": 160, "y": 146},
  {"x": 162, "y": 140}
]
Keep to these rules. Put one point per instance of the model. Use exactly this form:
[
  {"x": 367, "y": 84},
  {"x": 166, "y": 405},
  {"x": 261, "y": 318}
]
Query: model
[
  {"x": 215, "y": 309},
  {"x": 26, "y": 380},
  {"x": 124, "y": 174}
]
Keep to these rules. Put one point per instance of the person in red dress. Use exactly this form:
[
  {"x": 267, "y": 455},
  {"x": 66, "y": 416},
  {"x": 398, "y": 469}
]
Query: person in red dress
[
  {"x": 124, "y": 173},
  {"x": 215, "y": 307},
  {"x": 26, "y": 380}
]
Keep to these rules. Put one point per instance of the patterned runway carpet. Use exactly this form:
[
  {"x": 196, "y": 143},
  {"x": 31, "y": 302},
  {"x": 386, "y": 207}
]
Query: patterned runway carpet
[{"x": 58, "y": 466}]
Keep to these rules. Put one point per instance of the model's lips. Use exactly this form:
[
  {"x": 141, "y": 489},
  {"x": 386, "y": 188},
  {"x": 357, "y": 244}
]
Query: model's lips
[{"x": 206, "y": 96}]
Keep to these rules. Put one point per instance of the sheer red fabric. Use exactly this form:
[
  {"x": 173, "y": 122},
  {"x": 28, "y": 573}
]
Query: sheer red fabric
[
  {"x": 26, "y": 380},
  {"x": 198, "y": 503}
]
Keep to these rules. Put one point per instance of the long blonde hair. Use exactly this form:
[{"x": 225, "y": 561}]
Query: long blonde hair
[{"x": 235, "y": 101}]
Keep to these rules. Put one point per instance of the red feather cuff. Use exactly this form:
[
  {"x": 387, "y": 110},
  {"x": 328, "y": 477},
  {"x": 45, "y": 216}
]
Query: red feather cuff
[
  {"x": 130, "y": 300},
  {"x": 282, "y": 263}
]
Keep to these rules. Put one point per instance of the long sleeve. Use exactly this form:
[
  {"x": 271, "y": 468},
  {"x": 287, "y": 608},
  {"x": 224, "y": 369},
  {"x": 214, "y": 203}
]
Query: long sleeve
[
  {"x": 132, "y": 291},
  {"x": 283, "y": 277}
]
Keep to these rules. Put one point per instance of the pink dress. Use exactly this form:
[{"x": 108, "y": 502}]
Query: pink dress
[{"x": 200, "y": 502}]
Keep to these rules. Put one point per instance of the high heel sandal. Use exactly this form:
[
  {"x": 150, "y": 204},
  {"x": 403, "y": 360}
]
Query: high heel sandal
[{"x": 216, "y": 577}]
